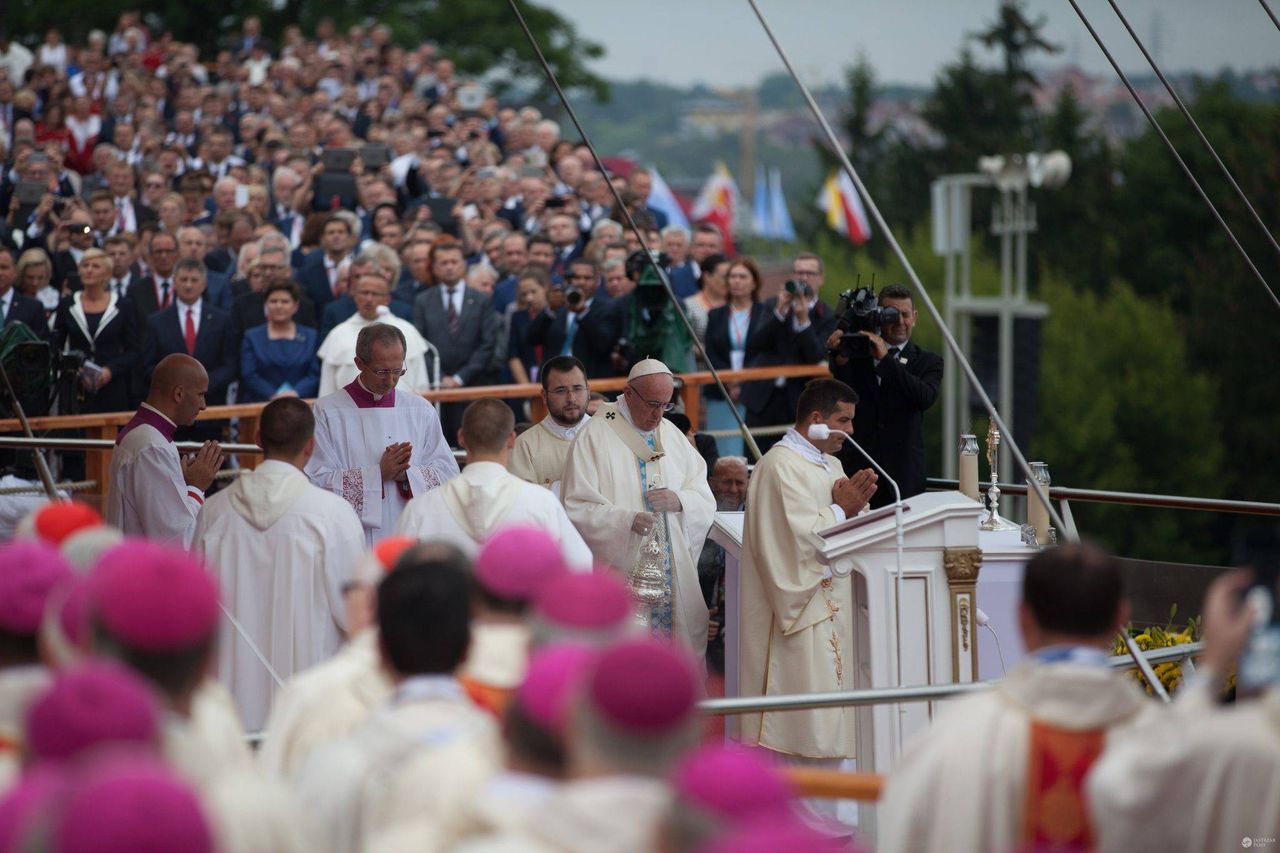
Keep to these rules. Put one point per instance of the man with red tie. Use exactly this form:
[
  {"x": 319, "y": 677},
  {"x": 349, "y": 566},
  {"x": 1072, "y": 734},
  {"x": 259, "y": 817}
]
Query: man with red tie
[
  {"x": 154, "y": 292},
  {"x": 192, "y": 326}
]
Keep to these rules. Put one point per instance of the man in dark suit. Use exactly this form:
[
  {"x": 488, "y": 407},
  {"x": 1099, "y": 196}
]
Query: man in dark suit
[
  {"x": 585, "y": 326},
  {"x": 567, "y": 240},
  {"x": 318, "y": 274},
  {"x": 896, "y": 382},
  {"x": 14, "y": 307},
  {"x": 192, "y": 326},
  {"x": 154, "y": 292},
  {"x": 124, "y": 265},
  {"x": 461, "y": 324},
  {"x": 66, "y": 262},
  {"x": 131, "y": 214}
]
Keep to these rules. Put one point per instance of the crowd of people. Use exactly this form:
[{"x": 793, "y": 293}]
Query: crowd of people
[{"x": 506, "y": 654}]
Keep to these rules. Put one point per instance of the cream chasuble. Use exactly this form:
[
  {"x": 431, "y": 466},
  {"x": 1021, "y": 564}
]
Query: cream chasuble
[
  {"x": 540, "y": 452},
  {"x": 610, "y": 466},
  {"x": 1205, "y": 778},
  {"x": 482, "y": 500},
  {"x": 282, "y": 549},
  {"x": 337, "y": 354},
  {"x": 797, "y": 630},
  {"x": 961, "y": 786},
  {"x": 353, "y": 429},
  {"x": 323, "y": 704}
]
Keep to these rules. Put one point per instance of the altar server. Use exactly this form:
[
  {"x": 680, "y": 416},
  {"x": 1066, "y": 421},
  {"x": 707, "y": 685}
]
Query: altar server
[
  {"x": 485, "y": 498},
  {"x": 283, "y": 550},
  {"x": 376, "y": 448},
  {"x": 633, "y": 482},
  {"x": 540, "y": 452},
  {"x": 153, "y": 492}
]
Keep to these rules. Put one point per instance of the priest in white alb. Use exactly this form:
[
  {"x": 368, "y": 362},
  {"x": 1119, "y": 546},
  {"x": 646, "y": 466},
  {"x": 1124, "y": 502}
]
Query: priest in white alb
[
  {"x": 153, "y": 492},
  {"x": 1206, "y": 777},
  {"x": 1005, "y": 769},
  {"x": 540, "y": 452},
  {"x": 797, "y": 619},
  {"x": 283, "y": 550},
  {"x": 485, "y": 498},
  {"x": 372, "y": 295},
  {"x": 376, "y": 448},
  {"x": 637, "y": 491}
]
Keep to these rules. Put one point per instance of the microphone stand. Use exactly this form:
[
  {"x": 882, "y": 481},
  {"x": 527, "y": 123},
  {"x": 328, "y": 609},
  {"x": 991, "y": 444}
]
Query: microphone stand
[{"x": 822, "y": 431}]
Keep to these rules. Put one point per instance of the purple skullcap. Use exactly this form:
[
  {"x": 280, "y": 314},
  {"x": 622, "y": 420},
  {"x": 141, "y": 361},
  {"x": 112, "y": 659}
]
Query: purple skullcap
[
  {"x": 57, "y": 520},
  {"x": 731, "y": 782},
  {"x": 132, "y": 804},
  {"x": 29, "y": 571},
  {"x": 777, "y": 833},
  {"x": 553, "y": 677},
  {"x": 516, "y": 562},
  {"x": 98, "y": 702},
  {"x": 589, "y": 601},
  {"x": 28, "y": 801},
  {"x": 153, "y": 598},
  {"x": 643, "y": 686}
]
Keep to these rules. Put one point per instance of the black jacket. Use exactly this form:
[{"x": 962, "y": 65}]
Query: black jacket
[
  {"x": 216, "y": 346},
  {"x": 24, "y": 309},
  {"x": 593, "y": 342}
]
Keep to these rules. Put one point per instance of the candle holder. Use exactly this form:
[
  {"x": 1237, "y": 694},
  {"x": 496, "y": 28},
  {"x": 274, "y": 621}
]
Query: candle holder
[{"x": 993, "y": 520}]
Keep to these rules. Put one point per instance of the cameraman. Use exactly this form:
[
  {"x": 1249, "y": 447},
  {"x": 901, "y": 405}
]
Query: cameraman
[
  {"x": 896, "y": 383},
  {"x": 585, "y": 327}
]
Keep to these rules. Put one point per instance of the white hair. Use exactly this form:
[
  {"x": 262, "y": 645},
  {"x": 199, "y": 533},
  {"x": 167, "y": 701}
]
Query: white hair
[
  {"x": 677, "y": 229},
  {"x": 481, "y": 269},
  {"x": 551, "y": 125},
  {"x": 606, "y": 225}
]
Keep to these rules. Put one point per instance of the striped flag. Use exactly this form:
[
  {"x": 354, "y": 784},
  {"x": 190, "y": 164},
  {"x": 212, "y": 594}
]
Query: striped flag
[
  {"x": 718, "y": 203},
  {"x": 845, "y": 215}
]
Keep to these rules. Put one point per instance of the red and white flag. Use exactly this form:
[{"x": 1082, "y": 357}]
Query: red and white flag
[
  {"x": 718, "y": 202},
  {"x": 845, "y": 214}
]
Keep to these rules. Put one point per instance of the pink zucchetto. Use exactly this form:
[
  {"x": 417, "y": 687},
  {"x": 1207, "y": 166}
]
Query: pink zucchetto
[
  {"x": 153, "y": 598},
  {"x": 554, "y": 675},
  {"x": 596, "y": 601},
  {"x": 516, "y": 562},
  {"x": 29, "y": 572},
  {"x": 777, "y": 833},
  {"x": 131, "y": 804},
  {"x": 643, "y": 687},
  {"x": 57, "y": 520},
  {"x": 97, "y": 703},
  {"x": 730, "y": 782}
]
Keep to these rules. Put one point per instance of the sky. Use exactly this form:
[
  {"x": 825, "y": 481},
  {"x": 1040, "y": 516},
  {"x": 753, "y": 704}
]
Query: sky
[{"x": 720, "y": 42}]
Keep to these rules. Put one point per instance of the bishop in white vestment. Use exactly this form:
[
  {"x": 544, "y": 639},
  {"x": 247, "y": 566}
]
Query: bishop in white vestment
[
  {"x": 540, "y": 452},
  {"x": 632, "y": 480},
  {"x": 798, "y": 622},
  {"x": 375, "y": 448},
  {"x": 283, "y": 550},
  {"x": 484, "y": 498},
  {"x": 152, "y": 492}
]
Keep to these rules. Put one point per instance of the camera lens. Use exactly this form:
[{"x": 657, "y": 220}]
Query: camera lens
[{"x": 573, "y": 296}]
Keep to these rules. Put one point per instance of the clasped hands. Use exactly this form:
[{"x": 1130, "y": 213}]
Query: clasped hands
[
  {"x": 395, "y": 461},
  {"x": 851, "y": 494}
]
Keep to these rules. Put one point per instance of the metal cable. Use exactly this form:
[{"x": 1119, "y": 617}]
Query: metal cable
[
  {"x": 1174, "y": 151},
  {"x": 631, "y": 223},
  {"x": 1186, "y": 113},
  {"x": 950, "y": 339},
  {"x": 1270, "y": 14}
]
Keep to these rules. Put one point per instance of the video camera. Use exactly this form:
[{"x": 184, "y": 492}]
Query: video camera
[{"x": 859, "y": 311}]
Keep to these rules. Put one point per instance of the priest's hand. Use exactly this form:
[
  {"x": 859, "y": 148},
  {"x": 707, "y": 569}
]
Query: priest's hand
[
  {"x": 853, "y": 493},
  {"x": 643, "y": 523},
  {"x": 199, "y": 467},
  {"x": 663, "y": 500},
  {"x": 395, "y": 460},
  {"x": 1228, "y": 620}
]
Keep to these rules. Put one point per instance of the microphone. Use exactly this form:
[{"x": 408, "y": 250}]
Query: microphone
[{"x": 821, "y": 432}]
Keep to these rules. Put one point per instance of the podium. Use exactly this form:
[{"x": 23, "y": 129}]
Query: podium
[{"x": 936, "y": 608}]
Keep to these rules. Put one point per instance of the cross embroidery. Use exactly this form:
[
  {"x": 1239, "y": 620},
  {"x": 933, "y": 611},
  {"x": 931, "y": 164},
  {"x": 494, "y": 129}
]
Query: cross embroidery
[{"x": 608, "y": 416}]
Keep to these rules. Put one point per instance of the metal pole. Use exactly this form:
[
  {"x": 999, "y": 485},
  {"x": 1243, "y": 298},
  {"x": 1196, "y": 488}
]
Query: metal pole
[{"x": 42, "y": 466}]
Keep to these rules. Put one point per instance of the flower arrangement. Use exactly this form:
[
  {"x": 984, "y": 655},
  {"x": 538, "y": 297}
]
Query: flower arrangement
[{"x": 1155, "y": 637}]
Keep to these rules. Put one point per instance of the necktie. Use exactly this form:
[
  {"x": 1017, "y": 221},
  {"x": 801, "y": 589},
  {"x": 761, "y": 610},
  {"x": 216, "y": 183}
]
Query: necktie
[
  {"x": 570, "y": 329},
  {"x": 164, "y": 293},
  {"x": 190, "y": 333},
  {"x": 452, "y": 312},
  {"x": 117, "y": 287},
  {"x": 893, "y": 353},
  {"x": 119, "y": 216}
]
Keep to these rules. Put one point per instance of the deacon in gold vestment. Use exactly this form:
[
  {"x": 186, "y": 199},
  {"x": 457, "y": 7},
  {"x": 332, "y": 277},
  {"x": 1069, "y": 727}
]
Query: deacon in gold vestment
[
  {"x": 540, "y": 452},
  {"x": 797, "y": 629}
]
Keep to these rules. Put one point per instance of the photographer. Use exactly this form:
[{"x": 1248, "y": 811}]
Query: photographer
[
  {"x": 586, "y": 327},
  {"x": 896, "y": 382},
  {"x": 651, "y": 327}
]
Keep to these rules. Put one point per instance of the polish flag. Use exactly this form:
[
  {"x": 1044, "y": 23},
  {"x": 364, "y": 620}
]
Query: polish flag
[
  {"x": 845, "y": 214},
  {"x": 718, "y": 202}
]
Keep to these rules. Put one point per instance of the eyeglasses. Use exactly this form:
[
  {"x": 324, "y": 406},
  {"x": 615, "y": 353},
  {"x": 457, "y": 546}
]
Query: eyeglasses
[
  {"x": 654, "y": 405},
  {"x": 567, "y": 391},
  {"x": 392, "y": 373}
]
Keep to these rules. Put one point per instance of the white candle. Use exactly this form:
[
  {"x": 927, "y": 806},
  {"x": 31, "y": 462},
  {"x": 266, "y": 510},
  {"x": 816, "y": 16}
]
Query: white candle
[
  {"x": 1037, "y": 510},
  {"x": 969, "y": 466}
]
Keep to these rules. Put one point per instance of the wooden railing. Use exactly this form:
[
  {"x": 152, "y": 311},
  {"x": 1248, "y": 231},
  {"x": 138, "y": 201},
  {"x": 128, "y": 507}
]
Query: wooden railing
[{"x": 106, "y": 425}]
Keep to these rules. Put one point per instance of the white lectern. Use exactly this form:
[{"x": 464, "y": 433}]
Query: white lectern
[{"x": 938, "y": 645}]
